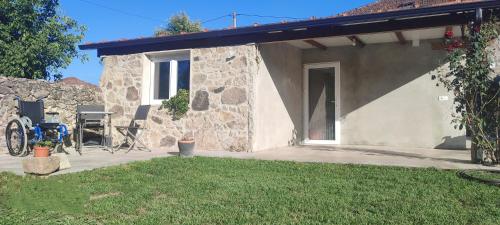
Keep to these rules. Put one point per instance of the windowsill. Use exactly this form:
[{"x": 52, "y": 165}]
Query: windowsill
[{"x": 156, "y": 101}]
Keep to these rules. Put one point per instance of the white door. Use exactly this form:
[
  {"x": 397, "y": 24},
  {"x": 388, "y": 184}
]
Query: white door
[{"x": 322, "y": 103}]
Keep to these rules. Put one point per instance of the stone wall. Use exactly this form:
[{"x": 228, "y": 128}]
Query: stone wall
[
  {"x": 59, "y": 97},
  {"x": 221, "y": 96}
]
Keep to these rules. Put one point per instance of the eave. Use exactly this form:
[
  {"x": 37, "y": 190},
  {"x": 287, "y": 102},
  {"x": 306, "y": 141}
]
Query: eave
[{"x": 338, "y": 26}]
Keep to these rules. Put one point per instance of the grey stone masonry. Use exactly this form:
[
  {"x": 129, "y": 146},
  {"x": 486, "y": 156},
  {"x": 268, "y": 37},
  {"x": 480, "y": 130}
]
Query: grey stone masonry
[
  {"x": 59, "y": 97},
  {"x": 220, "y": 99}
]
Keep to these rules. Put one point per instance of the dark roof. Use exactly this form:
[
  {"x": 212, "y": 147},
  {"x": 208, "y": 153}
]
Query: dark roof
[
  {"x": 395, "y": 5},
  {"x": 455, "y": 14},
  {"x": 73, "y": 81}
]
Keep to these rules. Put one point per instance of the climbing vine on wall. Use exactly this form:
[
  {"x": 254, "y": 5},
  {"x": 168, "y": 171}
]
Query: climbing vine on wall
[{"x": 475, "y": 86}]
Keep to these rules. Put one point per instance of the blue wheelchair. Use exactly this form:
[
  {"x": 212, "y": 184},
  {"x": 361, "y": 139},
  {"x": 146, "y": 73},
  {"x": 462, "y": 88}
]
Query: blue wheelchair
[{"x": 31, "y": 126}]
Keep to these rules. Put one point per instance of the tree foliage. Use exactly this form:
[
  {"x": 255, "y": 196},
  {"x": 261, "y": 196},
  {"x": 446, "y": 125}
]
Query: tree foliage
[
  {"x": 178, "y": 24},
  {"x": 475, "y": 86},
  {"x": 35, "y": 41}
]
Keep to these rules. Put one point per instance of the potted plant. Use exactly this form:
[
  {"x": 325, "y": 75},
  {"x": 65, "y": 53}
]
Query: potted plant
[
  {"x": 186, "y": 146},
  {"x": 42, "y": 148}
]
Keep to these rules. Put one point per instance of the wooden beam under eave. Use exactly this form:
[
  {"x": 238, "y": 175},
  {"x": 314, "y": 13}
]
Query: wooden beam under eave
[
  {"x": 315, "y": 44},
  {"x": 401, "y": 37},
  {"x": 357, "y": 41}
]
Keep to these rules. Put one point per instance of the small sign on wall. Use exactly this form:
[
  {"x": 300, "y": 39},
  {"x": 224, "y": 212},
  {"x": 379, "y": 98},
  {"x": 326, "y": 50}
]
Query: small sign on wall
[{"x": 443, "y": 98}]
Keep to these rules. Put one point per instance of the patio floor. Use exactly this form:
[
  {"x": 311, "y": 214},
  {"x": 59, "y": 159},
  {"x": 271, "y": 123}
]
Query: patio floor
[
  {"x": 92, "y": 158},
  {"x": 384, "y": 156},
  {"x": 368, "y": 155}
]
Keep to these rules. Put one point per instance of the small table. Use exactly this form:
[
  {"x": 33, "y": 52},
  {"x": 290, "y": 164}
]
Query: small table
[{"x": 108, "y": 139}]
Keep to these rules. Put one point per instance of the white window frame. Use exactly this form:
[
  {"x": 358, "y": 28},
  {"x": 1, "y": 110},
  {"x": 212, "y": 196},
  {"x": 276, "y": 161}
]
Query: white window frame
[
  {"x": 149, "y": 74},
  {"x": 307, "y": 67}
]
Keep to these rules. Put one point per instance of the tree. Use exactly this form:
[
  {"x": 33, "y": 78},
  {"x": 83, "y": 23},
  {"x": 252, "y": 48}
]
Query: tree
[
  {"x": 476, "y": 88},
  {"x": 178, "y": 24},
  {"x": 35, "y": 41}
]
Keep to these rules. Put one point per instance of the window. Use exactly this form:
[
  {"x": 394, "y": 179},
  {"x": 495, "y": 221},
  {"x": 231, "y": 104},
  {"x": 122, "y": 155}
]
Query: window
[
  {"x": 183, "y": 74},
  {"x": 162, "y": 80},
  {"x": 168, "y": 73}
]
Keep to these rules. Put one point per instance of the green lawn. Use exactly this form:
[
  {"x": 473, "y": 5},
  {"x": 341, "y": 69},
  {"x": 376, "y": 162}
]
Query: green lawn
[{"x": 227, "y": 191}]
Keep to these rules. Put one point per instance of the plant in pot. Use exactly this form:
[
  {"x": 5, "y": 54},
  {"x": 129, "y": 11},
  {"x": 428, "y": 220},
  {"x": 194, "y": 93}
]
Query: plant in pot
[
  {"x": 186, "y": 146},
  {"x": 42, "y": 148}
]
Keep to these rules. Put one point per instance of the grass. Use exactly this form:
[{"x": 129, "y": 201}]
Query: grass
[{"x": 228, "y": 191}]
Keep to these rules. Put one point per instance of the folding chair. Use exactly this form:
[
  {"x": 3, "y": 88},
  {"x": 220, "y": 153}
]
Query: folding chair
[
  {"x": 134, "y": 131},
  {"x": 93, "y": 121}
]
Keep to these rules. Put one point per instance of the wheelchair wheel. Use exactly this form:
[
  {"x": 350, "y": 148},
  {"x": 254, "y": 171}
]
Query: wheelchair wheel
[{"x": 16, "y": 138}]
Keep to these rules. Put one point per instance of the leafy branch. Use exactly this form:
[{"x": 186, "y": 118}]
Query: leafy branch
[
  {"x": 35, "y": 40},
  {"x": 179, "y": 24}
]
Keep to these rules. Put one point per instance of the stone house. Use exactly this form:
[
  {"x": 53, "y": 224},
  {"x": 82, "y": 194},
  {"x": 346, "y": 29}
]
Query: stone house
[{"x": 353, "y": 79}]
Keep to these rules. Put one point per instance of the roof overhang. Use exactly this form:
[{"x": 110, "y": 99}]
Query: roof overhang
[{"x": 456, "y": 14}]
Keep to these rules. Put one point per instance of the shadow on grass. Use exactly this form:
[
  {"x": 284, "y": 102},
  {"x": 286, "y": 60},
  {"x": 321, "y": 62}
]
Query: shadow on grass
[{"x": 173, "y": 153}]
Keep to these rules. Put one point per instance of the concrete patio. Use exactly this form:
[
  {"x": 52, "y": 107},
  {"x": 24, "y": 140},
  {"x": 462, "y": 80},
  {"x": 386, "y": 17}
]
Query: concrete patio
[
  {"x": 365, "y": 155},
  {"x": 383, "y": 156},
  {"x": 92, "y": 158}
]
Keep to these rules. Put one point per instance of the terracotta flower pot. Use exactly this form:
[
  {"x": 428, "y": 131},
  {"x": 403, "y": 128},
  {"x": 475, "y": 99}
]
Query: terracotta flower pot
[{"x": 41, "y": 151}]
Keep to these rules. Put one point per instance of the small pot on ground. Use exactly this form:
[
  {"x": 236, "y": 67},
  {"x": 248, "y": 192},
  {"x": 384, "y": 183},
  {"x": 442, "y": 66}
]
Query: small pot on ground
[
  {"x": 41, "y": 151},
  {"x": 186, "y": 147},
  {"x": 42, "y": 148}
]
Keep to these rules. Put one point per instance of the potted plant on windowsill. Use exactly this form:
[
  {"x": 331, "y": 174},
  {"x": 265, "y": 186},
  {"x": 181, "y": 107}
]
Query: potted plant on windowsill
[
  {"x": 186, "y": 146},
  {"x": 42, "y": 148}
]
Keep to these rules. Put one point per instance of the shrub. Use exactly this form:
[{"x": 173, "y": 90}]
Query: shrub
[
  {"x": 44, "y": 144},
  {"x": 177, "y": 105}
]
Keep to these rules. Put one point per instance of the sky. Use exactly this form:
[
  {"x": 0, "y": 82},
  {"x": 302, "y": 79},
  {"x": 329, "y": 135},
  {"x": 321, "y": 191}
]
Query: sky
[{"x": 117, "y": 19}]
